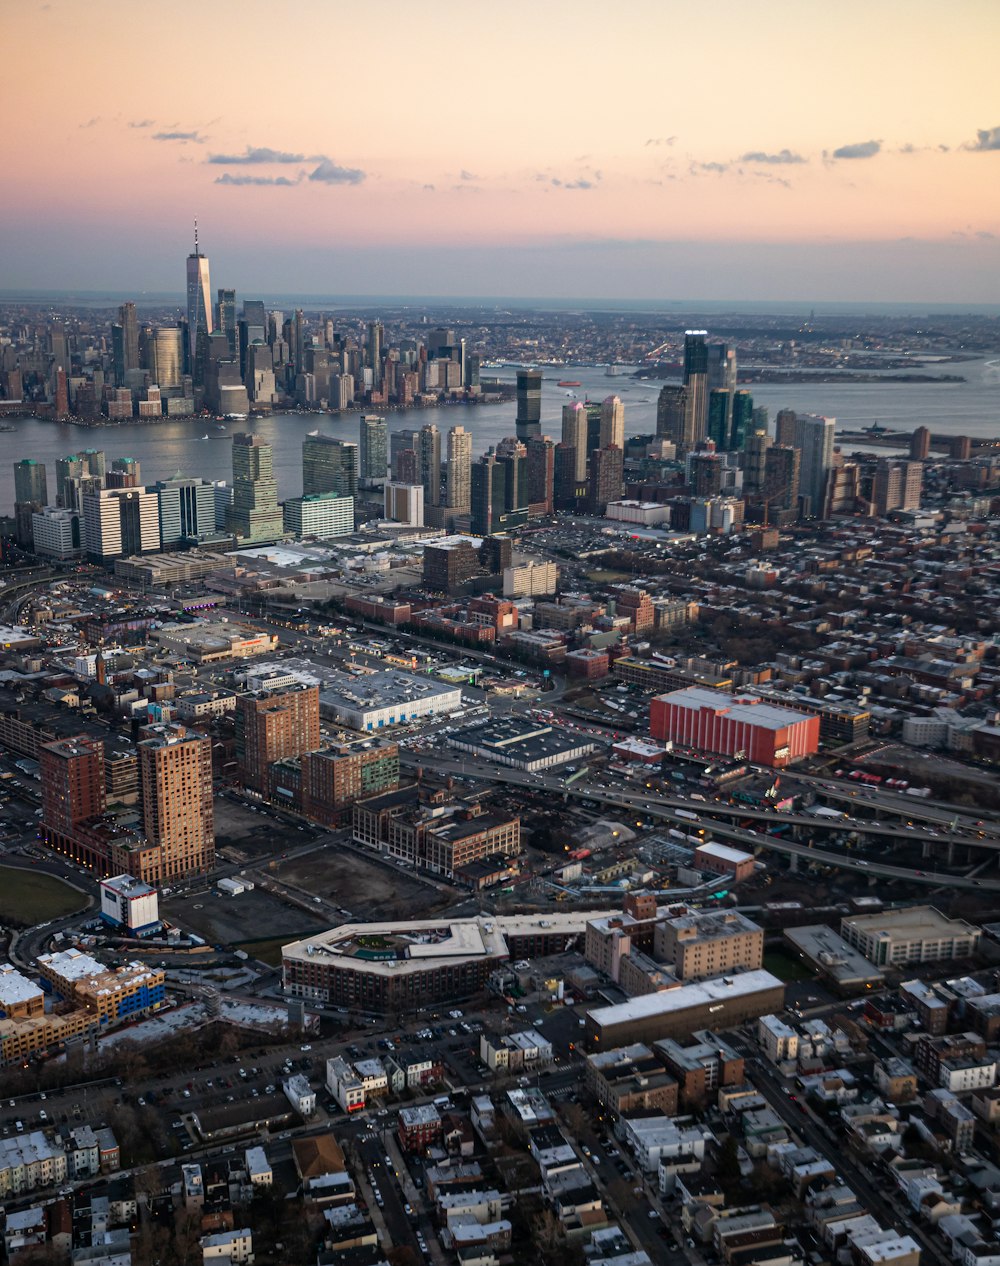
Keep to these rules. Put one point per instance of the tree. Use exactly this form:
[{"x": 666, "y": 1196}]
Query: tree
[{"x": 728, "y": 1165}]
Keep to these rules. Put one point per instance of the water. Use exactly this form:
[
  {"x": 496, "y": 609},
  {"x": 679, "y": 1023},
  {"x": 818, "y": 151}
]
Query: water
[{"x": 968, "y": 408}]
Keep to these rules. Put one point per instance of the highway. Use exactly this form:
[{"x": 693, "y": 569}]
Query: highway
[{"x": 666, "y": 809}]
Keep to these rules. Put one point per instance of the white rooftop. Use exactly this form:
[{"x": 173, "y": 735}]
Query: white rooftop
[
  {"x": 724, "y": 853},
  {"x": 748, "y": 708},
  {"x": 14, "y": 987},
  {"x": 720, "y": 989}
]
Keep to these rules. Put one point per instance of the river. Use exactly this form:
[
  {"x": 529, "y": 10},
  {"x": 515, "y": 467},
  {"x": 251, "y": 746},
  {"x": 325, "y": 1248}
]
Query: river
[{"x": 203, "y": 447}]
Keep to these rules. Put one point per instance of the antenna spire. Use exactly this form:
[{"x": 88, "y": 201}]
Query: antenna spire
[{"x": 196, "y": 235}]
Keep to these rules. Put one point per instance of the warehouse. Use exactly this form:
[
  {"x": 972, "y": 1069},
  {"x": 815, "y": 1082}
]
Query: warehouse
[
  {"x": 523, "y": 744},
  {"x": 920, "y": 934},
  {"x": 717, "y": 1004},
  {"x": 831, "y": 956},
  {"x": 374, "y": 700},
  {"x": 712, "y": 721}
]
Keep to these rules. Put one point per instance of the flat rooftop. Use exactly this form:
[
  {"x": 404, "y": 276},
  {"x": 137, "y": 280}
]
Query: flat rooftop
[
  {"x": 832, "y": 955},
  {"x": 747, "y": 708},
  {"x": 705, "y": 992},
  {"x": 914, "y": 923},
  {"x": 14, "y": 987},
  {"x": 711, "y": 925},
  {"x": 379, "y": 690},
  {"x": 724, "y": 853}
]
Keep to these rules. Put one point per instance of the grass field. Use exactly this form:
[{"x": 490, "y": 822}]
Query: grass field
[
  {"x": 787, "y": 968},
  {"x": 27, "y": 897}
]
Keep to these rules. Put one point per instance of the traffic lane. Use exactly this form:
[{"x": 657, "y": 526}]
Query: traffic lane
[{"x": 383, "y": 1179}]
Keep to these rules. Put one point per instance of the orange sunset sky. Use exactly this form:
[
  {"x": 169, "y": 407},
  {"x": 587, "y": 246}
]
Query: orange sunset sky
[{"x": 561, "y": 148}]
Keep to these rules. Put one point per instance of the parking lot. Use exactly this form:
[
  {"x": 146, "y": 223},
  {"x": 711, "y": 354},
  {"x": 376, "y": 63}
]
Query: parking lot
[
  {"x": 256, "y": 915},
  {"x": 368, "y": 889}
]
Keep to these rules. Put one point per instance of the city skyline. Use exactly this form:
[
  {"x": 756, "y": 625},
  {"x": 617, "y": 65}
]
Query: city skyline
[{"x": 793, "y": 177}]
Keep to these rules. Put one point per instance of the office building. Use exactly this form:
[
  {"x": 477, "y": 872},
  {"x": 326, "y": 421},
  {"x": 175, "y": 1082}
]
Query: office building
[
  {"x": 272, "y": 726},
  {"x": 254, "y": 516},
  {"x": 612, "y": 422},
  {"x": 897, "y": 486},
  {"x": 814, "y": 440},
  {"x": 402, "y": 443},
  {"x": 376, "y": 335},
  {"x": 712, "y": 721},
  {"x": 781, "y": 479},
  {"x": 175, "y": 775},
  {"x": 429, "y": 463},
  {"x": 755, "y": 460},
  {"x": 719, "y": 413},
  {"x": 186, "y": 508},
  {"x": 458, "y": 476},
  {"x": 488, "y": 487},
  {"x": 329, "y": 465},
  {"x": 165, "y": 353},
  {"x": 574, "y": 435},
  {"x": 56, "y": 533},
  {"x": 741, "y": 420},
  {"x": 404, "y": 503},
  {"x": 125, "y": 472},
  {"x": 920, "y": 934},
  {"x": 696, "y": 382},
  {"x": 120, "y": 522},
  {"x": 784, "y": 428},
  {"x": 323, "y": 515},
  {"x": 225, "y": 319},
  {"x": 528, "y": 422},
  {"x": 706, "y": 944},
  {"x": 373, "y": 449},
  {"x": 199, "y": 300}
]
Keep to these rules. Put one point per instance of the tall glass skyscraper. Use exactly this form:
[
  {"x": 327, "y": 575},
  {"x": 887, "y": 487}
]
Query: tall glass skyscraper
[
  {"x": 374, "y": 448},
  {"x": 329, "y": 465},
  {"x": 255, "y": 514},
  {"x": 199, "y": 297},
  {"x": 528, "y": 422}
]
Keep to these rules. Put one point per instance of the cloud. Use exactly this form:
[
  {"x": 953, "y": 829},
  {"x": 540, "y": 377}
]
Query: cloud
[
  {"x": 227, "y": 178},
  {"x": 718, "y": 168},
  {"x": 467, "y": 175},
  {"x": 661, "y": 140},
  {"x": 258, "y": 154},
  {"x": 782, "y": 156},
  {"x": 861, "y": 149},
  {"x": 330, "y": 173},
  {"x": 179, "y": 136},
  {"x": 987, "y": 140},
  {"x": 141, "y": 123},
  {"x": 91, "y": 122}
]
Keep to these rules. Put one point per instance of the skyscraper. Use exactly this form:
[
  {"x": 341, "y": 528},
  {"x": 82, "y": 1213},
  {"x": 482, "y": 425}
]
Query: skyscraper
[
  {"x": 605, "y": 479},
  {"x": 187, "y": 509},
  {"x": 574, "y": 435},
  {"x": 374, "y": 354},
  {"x": 175, "y": 775},
  {"x": 781, "y": 479},
  {"x": 897, "y": 486},
  {"x": 814, "y": 440},
  {"x": 754, "y": 461},
  {"x": 920, "y": 444},
  {"x": 166, "y": 353},
  {"x": 125, "y": 342},
  {"x": 329, "y": 465},
  {"x": 672, "y": 414},
  {"x": 458, "y": 477},
  {"x": 784, "y": 428},
  {"x": 255, "y": 515},
  {"x": 429, "y": 463},
  {"x": 199, "y": 298},
  {"x": 512, "y": 454},
  {"x": 612, "y": 422},
  {"x": 225, "y": 318},
  {"x": 373, "y": 451},
  {"x": 741, "y": 420},
  {"x": 541, "y": 474},
  {"x": 529, "y": 403},
  {"x": 120, "y": 522},
  {"x": 487, "y": 495},
  {"x": 718, "y": 417},
  {"x": 696, "y": 382},
  {"x": 30, "y": 481}
]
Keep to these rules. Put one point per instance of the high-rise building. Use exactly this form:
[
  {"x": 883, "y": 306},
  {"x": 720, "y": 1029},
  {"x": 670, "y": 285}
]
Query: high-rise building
[
  {"x": 565, "y": 484},
  {"x": 920, "y": 444},
  {"x": 225, "y": 318},
  {"x": 741, "y": 420},
  {"x": 605, "y": 478},
  {"x": 120, "y": 522},
  {"x": 175, "y": 777},
  {"x": 187, "y": 509},
  {"x": 125, "y": 343},
  {"x": 373, "y": 451},
  {"x": 528, "y": 422},
  {"x": 612, "y": 422},
  {"x": 329, "y": 465},
  {"x": 125, "y": 472},
  {"x": 272, "y": 725},
  {"x": 719, "y": 409},
  {"x": 814, "y": 440},
  {"x": 781, "y": 479},
  {"x": 672, "y": 415},
  {"x": 784, "y": 428},
  {"x": 754, "y": 461},
  {"x": 376, "y": 335},
  {"x": 30, "y": 481},
  {"x": 541, "y": 462},
  {"x": 705, "y": 474},
  {"x": 429, "y": 463},
  {"x": 255, "y": 515},
  {"x": 487, "y": 495},
  {"x": 73, "y": 785},
  {"x": 458, "y": 476},
  {"x": 404, "y": 503},
  {"x": 322, "y": 514},
  {"x": 696, "y": 382},
  {"x": 897, "y": 486},
  {"x": 166, "y": 356},
  {"x": 512, "y": 454},
  {"x": 574, "y": 434},
  {"x": 199, "y": 298},
  {"x": 400, "y": 442}
]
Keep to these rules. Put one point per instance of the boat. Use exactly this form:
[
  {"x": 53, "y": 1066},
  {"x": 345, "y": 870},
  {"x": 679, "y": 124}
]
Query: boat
[{"x": 566, "y": 382}]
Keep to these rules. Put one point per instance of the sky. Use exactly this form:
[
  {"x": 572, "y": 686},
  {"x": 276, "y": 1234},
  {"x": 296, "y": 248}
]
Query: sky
[{"x": 650, "y": 149}]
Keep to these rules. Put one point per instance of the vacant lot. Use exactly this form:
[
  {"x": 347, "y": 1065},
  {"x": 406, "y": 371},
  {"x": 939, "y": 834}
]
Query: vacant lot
[
  {"x": 27, "y": 897},
  {"x": 368, "y": 889},
  {"x": 225, "y": 920},
  {"x": 787, "y": 968},
  {"x": 252, "y": 835}
]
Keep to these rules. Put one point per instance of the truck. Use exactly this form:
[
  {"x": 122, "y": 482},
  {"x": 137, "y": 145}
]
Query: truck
[{"x": 923, "y": 792}]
